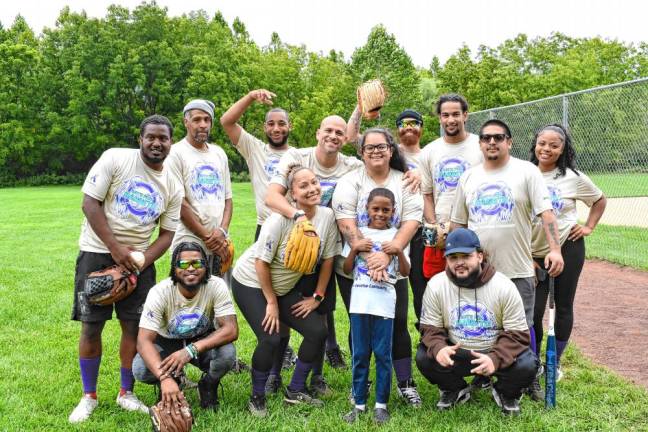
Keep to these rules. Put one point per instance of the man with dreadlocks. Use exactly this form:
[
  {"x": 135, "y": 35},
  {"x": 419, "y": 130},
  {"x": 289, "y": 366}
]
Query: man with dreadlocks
[{"x": 187, "y": 318}]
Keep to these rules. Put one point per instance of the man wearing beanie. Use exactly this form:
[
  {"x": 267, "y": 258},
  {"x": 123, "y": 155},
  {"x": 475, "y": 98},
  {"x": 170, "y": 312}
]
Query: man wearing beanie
[{"x": 473, "y": 323}]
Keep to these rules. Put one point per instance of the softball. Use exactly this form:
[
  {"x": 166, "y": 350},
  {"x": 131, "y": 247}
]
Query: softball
[{"x": 139, "y": 258}]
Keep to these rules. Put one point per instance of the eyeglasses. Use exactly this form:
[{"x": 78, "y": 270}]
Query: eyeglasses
[
  {"x": 411, "y": 123},
  {"x": 486, "y": 138},
  {"x": 195, "y": 263},
  {"x": 370, "y": 148}
]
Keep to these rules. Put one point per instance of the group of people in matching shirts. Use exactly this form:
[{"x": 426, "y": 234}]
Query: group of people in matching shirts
[{"x": 512, "y": 223}]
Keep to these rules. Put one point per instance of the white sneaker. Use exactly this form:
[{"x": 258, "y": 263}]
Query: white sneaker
[
  {"x": 129, "y": 402},
  {"x": 559, "y": 374},
  {"x": 83, "y": 409}
]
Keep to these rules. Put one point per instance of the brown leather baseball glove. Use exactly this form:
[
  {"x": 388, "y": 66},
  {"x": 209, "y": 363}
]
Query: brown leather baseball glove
[
  {"x": 176, "y": 419},
  {"x": 371, "y": 97},
  {"x": 109, "y": 285}
]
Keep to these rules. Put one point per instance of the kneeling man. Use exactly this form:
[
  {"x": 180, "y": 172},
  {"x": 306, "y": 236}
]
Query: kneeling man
[
  {"x": 187, "y": 318},
  {"x": 473, "y": 323}
]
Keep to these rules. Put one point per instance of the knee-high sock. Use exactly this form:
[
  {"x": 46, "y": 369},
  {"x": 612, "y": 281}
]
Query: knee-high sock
[
  {"x": 298, "y": 381},
  {"x": 533, "y": 341},
  {"x": 331, "y": 339},
  {"x": 259, "y": 379},
  {"x": 89, "y": 373},
  {"x": 127, "y": 379},
  {"x": 403, "y": 368},
  {"x": 560, "y": 348}
]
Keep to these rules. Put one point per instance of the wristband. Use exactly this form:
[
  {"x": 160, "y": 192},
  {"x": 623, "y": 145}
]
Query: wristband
[
  {"x": 191, "y": 349},
  {"x": 318, "y": 297},
  {"x": 224, "y": 232},
  {"x": 298, "y": 214}
]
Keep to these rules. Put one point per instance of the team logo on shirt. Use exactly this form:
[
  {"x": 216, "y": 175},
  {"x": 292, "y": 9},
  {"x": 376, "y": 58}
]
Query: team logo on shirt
[
  {"x": 473, "y": 321},
  {"x": 362, "y": 219},
  {"x": 328, "y": 187},
  {"x": 139, "y": 199},
  {"x": 448, "y": 171},
  {"x": 411, "y": 166},
  {"x": 187, "y": 323},
  {"x": 556, "y": 199},
  {"x": 270, "y": 166},
  {"x": 206, "y": 183},
  {"x": 492, "y": 200}
]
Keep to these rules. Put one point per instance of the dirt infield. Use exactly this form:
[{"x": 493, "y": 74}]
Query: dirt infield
[
  {"x": 611, "y": 318},
  {"x": 620, "y": 211}
]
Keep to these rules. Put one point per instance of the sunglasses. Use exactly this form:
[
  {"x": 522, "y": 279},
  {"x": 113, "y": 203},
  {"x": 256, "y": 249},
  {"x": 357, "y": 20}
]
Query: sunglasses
[
  {"x": 195, "y": 263},
  {"x": 406, "y": 123},
  {"x": 486, "y": 138},
  {"x": 370, "y": 148}
]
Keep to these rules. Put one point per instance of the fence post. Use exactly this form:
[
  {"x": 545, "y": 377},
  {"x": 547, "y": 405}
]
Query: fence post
[
  {"x": 565, "y": 116},
  {"x": 491, "y": 114}
]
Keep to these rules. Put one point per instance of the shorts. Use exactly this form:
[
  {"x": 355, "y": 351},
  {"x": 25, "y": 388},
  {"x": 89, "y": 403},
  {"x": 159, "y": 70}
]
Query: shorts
[{"x": 127, "y": 309}]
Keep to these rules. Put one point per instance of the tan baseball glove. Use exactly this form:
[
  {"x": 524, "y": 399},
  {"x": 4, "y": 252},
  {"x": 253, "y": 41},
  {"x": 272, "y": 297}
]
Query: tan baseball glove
[
  {"x": 176, "y": 419},
  {"x": 434, "y": 235},
  {"x": 371, "y": 97},
  {"x": 302, "y": 248},
  {"x": 221, "y": 267},
  {"x": 109, "y": 285}
]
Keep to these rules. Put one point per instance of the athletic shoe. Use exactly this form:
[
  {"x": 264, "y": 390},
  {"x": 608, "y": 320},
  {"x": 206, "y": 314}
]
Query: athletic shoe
[
  {"x": 319, "y": 387},
  {"x": 509, "y": 406},
  {"x": 352, "y": 399},
  {"x": 240, "y": 366},
  {"x": 335, "y": 358},
  {"x": 289, "y": 358},
  {"x": 381, "y": 416},
  {"x": 448, "y": 399},
  {"x": 298, "y": 397},
  {"x": 129, "y": 402},
  {"x": 208, "y": 392},
  {"x": 407, "y": 390},
  {"x": 480, "y": 382},
  {"x": 83, "y": 410},
  {"x": 273, "y": 384},
  {"x": 535, "y": 390},
  {"x": 257, "y": 406},
  {"x": 559, "y": 374},
  {"x": 353, "y": 415}
]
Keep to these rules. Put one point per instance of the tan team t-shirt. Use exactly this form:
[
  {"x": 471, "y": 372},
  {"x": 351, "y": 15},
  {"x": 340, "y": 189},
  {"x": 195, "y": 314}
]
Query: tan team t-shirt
[
  {"x": 328, "y": 177},
  {"x": 262, "y": 160},
  {"x": 206, "y": 180},
  {"x": 412, "y": 160},
  {"x": 473, "y": 317},
  {"x": 173, "y": 316},
  {"x": 134, "y": 197},
  {"x": 271, "y": 248},
  {"x": 563, "y": 191},
  {"x": 500, "y": 206},
  {"x": 441, "y": 166}
]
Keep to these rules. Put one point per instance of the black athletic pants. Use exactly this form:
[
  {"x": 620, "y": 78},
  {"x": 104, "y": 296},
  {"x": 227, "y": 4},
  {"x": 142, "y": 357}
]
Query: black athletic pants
[
  {"x": 253, "y": 304},
  {"x": 417, "y": 281},
  {"x": 402, "y": 342}
]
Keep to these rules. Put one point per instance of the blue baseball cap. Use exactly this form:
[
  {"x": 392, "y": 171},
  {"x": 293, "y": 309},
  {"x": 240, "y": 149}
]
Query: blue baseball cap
[{"x": 462, "y": 240}]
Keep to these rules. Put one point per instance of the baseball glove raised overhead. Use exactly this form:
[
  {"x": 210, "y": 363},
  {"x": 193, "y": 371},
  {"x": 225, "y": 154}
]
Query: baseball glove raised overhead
[
  {"x": 176, "y": 419},
  {"x": 434, "y": 235},
  {"x": 109, "y": 285},
  {"x": 302, "y": 248},
  {"x": 371, "y": 97},
  {"x": 220, "y": 267}
]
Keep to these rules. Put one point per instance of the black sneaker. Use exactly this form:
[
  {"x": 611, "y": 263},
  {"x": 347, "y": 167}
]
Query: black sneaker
[
  {"x": 319, "y": 387},
  {"x": 480, "y": 382},
  {"x": 352, "y": 399},
  {"x": 535, "y": 391},
  {"x": 289, "y": 358},
  {"x": 335, "y": 358},
  {"x": 381, "y": 416},
  {"x": 509, "y": 405},
  {"x": 448, "y": 399},
  {"x": 257, "y": 406},
  {"x": 353, "y": 415},
  {"x": 273, "y": 384},
  {"x": 208, "y": 391},
  {"x": 407, "y": 390},
  {"x": 240, "y": 366},
  {"x": 300, "y": 397}
]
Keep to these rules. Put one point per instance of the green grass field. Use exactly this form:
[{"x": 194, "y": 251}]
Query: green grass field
[
  {"x": 622, "y": 185},
  {"x": 39, "y": 228}
]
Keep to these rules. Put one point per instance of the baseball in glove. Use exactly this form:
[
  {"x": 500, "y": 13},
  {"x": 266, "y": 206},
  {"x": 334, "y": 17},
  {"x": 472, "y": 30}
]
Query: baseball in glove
[
  {"x": 176, "y": 419},
  {"x": 219, "y": 268},
  {"x": 371, "y": 97},
  {"x": 434, "y": 235},
  {"x": 302, "y": 248},
  {"x": 110, "y": 285}
]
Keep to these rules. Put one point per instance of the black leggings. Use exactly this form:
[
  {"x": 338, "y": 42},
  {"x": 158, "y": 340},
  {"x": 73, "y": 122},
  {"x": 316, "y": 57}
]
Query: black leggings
[
  {"x": 252, "y": 304},
  {"x": 402, "y": 342},
  {"x": 573, "y": 253},
  {"x": 416, "y": 279}
]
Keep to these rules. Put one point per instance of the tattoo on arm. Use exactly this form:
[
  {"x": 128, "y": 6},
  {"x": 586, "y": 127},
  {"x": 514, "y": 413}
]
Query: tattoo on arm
[
  {"x": 553, "y": 231},
  {"x": 226, "y": 320},
  {"x": 356, "y": 124}
]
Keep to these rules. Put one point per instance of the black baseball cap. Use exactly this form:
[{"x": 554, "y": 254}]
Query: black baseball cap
[
  {"x": 409, "y": 113},
  {"x": 462, "y": 240}
]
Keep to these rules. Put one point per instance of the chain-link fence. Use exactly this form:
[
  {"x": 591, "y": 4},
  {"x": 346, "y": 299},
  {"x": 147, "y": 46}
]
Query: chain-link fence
[{"x": 609, "y": 129}]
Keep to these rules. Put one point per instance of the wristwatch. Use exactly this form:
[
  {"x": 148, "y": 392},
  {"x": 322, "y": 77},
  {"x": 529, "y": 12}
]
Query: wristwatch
[
  {"x": 298, "y": 214},
  {"x": 318, "y": 297}
]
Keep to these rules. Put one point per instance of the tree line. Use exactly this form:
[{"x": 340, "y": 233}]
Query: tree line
[{"x": 84, "y": 86}]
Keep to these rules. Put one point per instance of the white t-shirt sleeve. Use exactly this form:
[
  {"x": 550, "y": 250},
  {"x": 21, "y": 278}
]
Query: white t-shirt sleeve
[
  {"x": 290, "y": 158},
  {"x": 513, "y": 309},
  {"x": 431, "y": 309},
  {"x": 267, "y": 246},
  {"x": 412, "y": 206},
  {"x": 459, "y": 208},
  {"x": 332, "y": 242},
  {"x": 538, "y": 191},
  {"x": 171, "y": 217},
  {"x": 228, "y": 179},
  {"x": 99, "y": 179},
  {"x": 246, "y": 144},
  {"x": 345, "y": 197},
  {"x": 587, "y": 191},
  {"x": 223, "y": 305},
  {"x": 153, "y": 312}
]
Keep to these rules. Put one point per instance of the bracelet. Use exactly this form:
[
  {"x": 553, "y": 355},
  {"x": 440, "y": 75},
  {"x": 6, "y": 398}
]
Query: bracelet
[
  {"x": 192, "y": 350},
  {"x": 224, "y": 232}
]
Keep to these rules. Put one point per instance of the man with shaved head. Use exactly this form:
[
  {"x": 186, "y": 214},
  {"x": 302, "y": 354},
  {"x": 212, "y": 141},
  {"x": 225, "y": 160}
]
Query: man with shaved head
[{"x": 328, "y": 164}]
